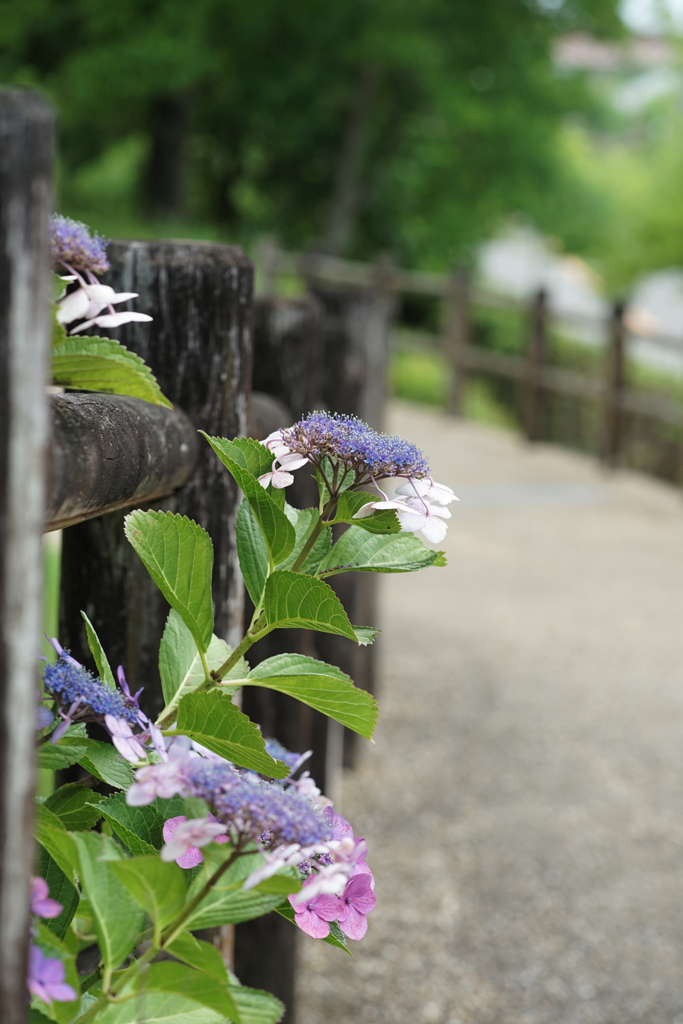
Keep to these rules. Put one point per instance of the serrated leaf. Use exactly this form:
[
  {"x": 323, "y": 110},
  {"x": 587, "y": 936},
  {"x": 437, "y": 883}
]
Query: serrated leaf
[
  {"x": 140, "y": 828},
  {"x": 302, "y": 602},
  {"x": 365, "y": 635},
  {"x": 379, "y": 522},
  {"x": 104, "y": 365},
  {"x": 214, "y": 721},
  {"x": 178, "y": 554},
  {"x": 187, "y": 983},
  {"x": 200, "y": 955},
  {"x": 360, "y": 551},
  {"x": 51, "y": 834},
  {"x": 97, "y": 651},
  {"x": 321, "y": 686},
  {"x": 75, "y": 805},
  {"x": 180, "y": 666},
  {"x": 303, "y": 521},
  {"x": 248, "y": 453},
  {"x": 227, "y": 903},
  {"x": 251, "y": 551},
  {"x": 104, "y": 762},
  {"x": 256, "y": 1006},
  {"x": 52, "y": 946},
  {"x": 276, "y": 528},
  {"x": 157, "y": 1008},
  {"x": 157, "y": 886},
  {"x": 117, "y": 918},
  {"x": 61, "y": 889},
  {"x": 66, "y": 751},
  {"x": 333, "y": 939}
]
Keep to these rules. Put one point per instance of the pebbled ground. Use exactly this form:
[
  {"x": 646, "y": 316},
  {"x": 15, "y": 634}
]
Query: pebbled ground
[{"x": 524, "y": 801}]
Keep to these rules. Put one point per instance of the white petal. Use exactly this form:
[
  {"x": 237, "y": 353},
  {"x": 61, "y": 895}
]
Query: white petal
[
  {"x": 282, "y": 479},
  {"x": 291, "y": 462},
  {"x": 411, "y": 521},
  {"x": 412, "y": 486},
  {"x": 73, "y": 306},
  {"x": 439, "y": 510},
  {"x": 113, "y": 320},
  {"x": 100, "y": 295},
  {"x": 440, "y": 493},
  {"x": 434, "y": 530},
  {"x": 265, "y": 479},
  {"x": 123, "y": 297}
]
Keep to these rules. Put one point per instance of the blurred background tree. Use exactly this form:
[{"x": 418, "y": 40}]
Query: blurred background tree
[{"x": 356, "y": 126}]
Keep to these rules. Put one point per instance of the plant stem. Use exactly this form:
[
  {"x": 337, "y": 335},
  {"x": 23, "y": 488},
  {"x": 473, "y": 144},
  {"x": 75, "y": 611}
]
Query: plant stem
[
  {"x": 175, "y": 928},
  {"x": 314, "y": 534}
]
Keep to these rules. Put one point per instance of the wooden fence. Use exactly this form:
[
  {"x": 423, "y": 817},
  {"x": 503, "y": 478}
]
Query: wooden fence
[{"x": 613, "y": 401}]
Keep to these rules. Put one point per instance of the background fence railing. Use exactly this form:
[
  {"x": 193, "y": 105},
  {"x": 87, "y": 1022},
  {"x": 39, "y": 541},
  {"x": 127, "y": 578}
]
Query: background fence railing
[{"x": 606, "y": 406}]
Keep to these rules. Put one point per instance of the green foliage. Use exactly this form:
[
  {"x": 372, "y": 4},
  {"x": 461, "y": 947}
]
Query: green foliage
[
  {"x": 140, "y": 828},
  {"x": 304, "y": 521},
  {"x": 214, "y": 721},
  {"x": 104, "y": 762},
  {"x": 323, "y": 687},
  {"x": 242, "y": 458},
  {"x": 252, "y": 552},
  {"x": 178, "y": 555},
  {"x": 61, "y": 889},
  {"x": 103, "y": 666},
  {"x": 52, "y": 946},
  {"x": 102, "y": 364},
  {"x": 351, "y": 502},
  {"x": 200, "y": 955},
  {"x": 116, "y": 916},
  {"x": 180, "y": 666},
  {"x": 76, "y": 806},
  {"x": 158, "y": 887},
  {"x": 54, "y": 838},
  {"x": 300, "y": 602},
  {"x": 359, "y": 552}
]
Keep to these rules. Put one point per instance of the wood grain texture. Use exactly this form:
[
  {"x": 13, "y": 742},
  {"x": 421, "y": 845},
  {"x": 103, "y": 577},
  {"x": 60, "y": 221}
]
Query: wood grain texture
[
  {"x": 199, "y": 348},
  {"x": 26, "y": 135},
  {"x": 109, "y": 451}
]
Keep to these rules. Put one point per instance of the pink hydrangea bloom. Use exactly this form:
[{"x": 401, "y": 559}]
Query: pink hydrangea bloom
[
  {"x": 358, "y": 900},
  {"x": 314, "y": 916},
  {"x": 46, "y": 978},
  {"x": 40, "y": 904},
  {"x": 183, "y": 838}
]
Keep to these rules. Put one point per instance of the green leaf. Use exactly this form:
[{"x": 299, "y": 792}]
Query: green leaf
[
  {"x": 117, "y": 917},
  {"x": 178, "y": 554},
  {"x": 276, "y": 528},
  {"x": 140, "y": 828},
  {"x": 303, "y": 521},
  {"x": 252, "y": 552},
  {"x": 180, "y": 665},
  {"x": 200, "y": 955},
  {"x": 97, "y": 651},
  {"x": 51, "y": 834},
  {"x": 321, "y": 686},
  {"x": 256, "y": 1006},
  {"x": 189, "y": 984},
  {"x": 359, "y": 551},
  {"x": 365, "y": 635},
  {"x": 157, "y": 886},
  {"x": 214, "y": 721},
  {"x": 379, "y": 522},
  {"x": 104, "y": 762},
  {"x": 104, "y": 365},
  {"x": 336, "y": 936},
  {"x": 302, "y": 602},
  {"x": 75, "y": 805},
  {"x": 157, "y": 1008},
  {"x": 61, "y": 889},
  {"x": 227, "y": 903},
  {"x": 66, "y": 751},
  {"x": 52, "y": 946},
  {"x": 246, "y": 452}
]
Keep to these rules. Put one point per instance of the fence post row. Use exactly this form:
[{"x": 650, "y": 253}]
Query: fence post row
[
  {"x": 26, "y": 137},
  {"x": 532, "y": 391}
]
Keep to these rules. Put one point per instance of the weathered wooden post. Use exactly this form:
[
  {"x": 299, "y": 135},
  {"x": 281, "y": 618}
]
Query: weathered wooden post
[
  {"x": 614, "y": 386},
  {"x": 532, "y": 394},
  {"x": 456, "y": 316},
  {"x": 26, "y": 135}
]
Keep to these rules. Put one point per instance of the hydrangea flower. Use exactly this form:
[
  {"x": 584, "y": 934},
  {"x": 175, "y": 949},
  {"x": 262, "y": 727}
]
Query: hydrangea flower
[
  {"x": 357, "y": 901},
  {"x": 40, "y": 902},
  {"x": 82, "y": 698},
  {"x": 83, "y": 255},
  {"x": 183, "y": 837},
  {"x": 314, "y": 915},
  {"x": 46, "y": 978}
]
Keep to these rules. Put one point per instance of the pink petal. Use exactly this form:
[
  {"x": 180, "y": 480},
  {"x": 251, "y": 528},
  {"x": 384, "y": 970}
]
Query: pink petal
[
  {"x": 354, "y": 924},
  {"x": 329, "y": 908},
  {"x": 310, "y": 923},
  {"x": 46, "y": 908},
  {"x": 363, "y": 868},
  {"x": 191, "y": 858},
  {"x": 170, "y": 826},
  {"x": 53, "y": 971},
  {"x": 63, "y": 993}
]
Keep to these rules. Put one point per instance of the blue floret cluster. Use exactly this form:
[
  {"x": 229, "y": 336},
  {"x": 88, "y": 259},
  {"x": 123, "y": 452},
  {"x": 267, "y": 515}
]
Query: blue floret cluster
[
  {"x": 254, "y": 808},
  {"x": 73, "y": 245},
  {"x": 356, "y": 445},
  {"x": 71, "y": 682}
]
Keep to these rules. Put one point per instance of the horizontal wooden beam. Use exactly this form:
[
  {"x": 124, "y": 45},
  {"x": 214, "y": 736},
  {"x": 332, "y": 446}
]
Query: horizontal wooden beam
[{"x": 108, "y": 452}]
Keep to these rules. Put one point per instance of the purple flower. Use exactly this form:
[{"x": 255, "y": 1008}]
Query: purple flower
[
  {"x": 183, "y": 839},
  {"x": 40, "y": 904},
  {"x": 74, "y": 246},
  {"x": 124, "y": 739},
  {"x": 358, "y": 900},
  {"x": 68, "y": 681},
  {"x": 314, "y": 916},
  {"x": 167, "y": 779},
  {"x": 46, "y": 978}
]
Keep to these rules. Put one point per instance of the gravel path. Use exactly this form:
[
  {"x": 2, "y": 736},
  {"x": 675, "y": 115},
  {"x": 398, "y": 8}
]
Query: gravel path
[{"x": 524, "y": 801}]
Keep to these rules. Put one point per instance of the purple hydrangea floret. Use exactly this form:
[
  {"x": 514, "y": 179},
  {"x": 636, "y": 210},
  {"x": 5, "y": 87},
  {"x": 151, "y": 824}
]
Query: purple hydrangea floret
[
  {"x": 254, "y": 808},
  {"x": 75, "y": 247},
  {"x": 72, "y": 683},
  {"x": 352, "y": 442},
  {"x": 280, "y": 753}
]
